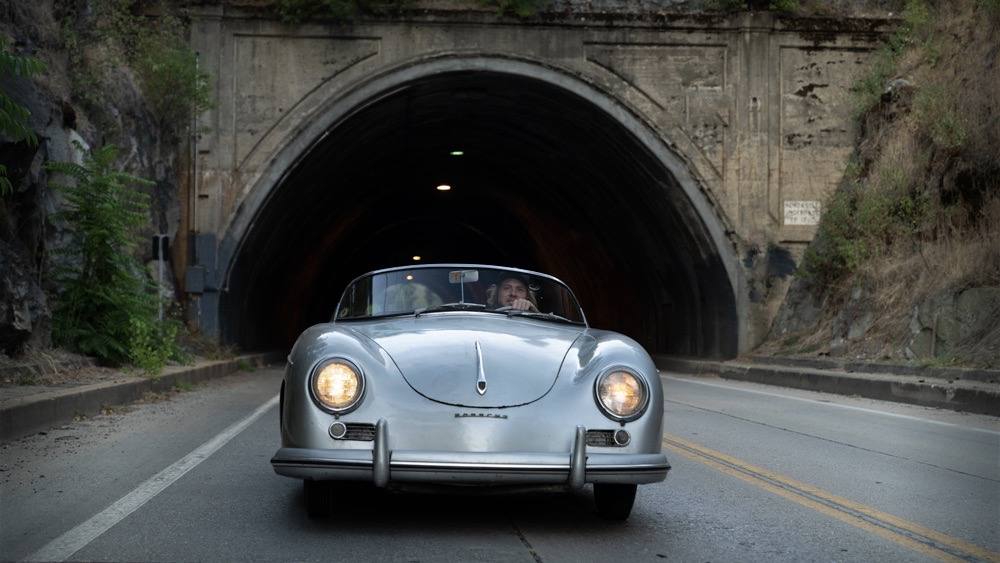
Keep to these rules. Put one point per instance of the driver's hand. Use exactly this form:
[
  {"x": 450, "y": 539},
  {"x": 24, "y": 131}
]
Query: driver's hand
[{"x": 523, "y": 305}]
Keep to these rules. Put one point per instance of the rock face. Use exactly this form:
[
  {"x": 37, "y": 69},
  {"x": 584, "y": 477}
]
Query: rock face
[
  {"x": 30, "y": 234},
  {"x": 956, "y": 323},
  {"x": 24, "y": 311}
]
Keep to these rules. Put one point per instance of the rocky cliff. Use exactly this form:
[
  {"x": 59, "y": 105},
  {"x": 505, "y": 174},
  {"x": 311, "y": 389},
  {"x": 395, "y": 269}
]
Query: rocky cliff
[
  {"x": 906, "y": 266},
  {"x": 78, "y": 101}
]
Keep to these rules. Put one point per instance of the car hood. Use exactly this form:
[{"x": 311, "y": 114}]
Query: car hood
[{"x": 437, "y": 355}]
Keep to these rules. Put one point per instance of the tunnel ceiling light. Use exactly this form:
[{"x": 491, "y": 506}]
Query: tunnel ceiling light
[
  {"x": 457, "y": 153},
  {"x": 409, "y": 277},
  {"x": 444, "y": 188},
  {"x": 416, "y": 258}
]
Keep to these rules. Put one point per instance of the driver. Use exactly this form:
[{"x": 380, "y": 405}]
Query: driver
[{"x": 513, "y": 292}]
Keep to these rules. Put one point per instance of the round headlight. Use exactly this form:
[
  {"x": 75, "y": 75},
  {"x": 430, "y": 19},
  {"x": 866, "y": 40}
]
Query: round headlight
[
  {"x": 622, "y": 394},
  {"x": 337, "y": 385}
]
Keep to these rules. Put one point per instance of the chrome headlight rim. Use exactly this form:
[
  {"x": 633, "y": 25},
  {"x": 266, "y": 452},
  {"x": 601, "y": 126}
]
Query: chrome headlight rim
[
  {"x": 361, "y": 382},
  {"x": 607, "y": 411}
]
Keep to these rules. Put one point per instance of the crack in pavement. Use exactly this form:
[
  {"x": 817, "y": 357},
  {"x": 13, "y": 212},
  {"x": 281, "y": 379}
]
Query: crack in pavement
[{"x": 524, "y": 540}]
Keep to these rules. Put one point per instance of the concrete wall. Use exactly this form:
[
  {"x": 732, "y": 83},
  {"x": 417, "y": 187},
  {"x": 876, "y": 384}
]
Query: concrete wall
[{"x": 752, "y": 108}]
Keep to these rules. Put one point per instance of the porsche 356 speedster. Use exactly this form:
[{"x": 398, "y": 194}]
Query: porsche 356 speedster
[{"x": 468, "y": 375}]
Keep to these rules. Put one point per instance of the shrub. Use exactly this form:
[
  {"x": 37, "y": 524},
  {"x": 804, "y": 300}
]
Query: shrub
[
  {"x": 166, "y": 67},
  {"x": 837, "y": 249},
  {"x": 916, "y": 26},
  {"x": 107, "y": 307},
  {"x": 784, "y": 5},
  {"x": 937, "y": 115},
  {"x": 170, "y": 77}
]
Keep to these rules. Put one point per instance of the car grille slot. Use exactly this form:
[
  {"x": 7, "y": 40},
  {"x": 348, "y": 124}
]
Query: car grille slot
[
  {"x": 361, "y": 432},
  {"x": 601, "y": 438}
]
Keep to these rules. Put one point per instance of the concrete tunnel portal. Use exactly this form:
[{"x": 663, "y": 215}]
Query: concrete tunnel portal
[{"x": 547, "y": 181}]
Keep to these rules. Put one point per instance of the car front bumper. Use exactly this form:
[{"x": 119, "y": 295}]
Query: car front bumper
[{"x": 382, "y": 466}]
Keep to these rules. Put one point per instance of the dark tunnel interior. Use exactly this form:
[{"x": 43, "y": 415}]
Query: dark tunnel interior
[{"x": 546, "y": 181}]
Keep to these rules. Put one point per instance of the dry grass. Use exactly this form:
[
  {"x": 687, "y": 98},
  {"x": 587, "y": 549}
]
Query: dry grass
[{"x": 920, "y": 216}]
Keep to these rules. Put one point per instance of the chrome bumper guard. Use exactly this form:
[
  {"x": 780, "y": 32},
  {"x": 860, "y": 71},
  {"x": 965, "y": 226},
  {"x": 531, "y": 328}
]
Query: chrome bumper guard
[{"x": 380, "y": 465}]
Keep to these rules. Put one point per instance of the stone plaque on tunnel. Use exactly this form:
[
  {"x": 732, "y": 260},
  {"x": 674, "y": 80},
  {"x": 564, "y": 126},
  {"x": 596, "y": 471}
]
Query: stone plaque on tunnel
[
  {"x": 273, "y": 74},
  {"x": 802, "y": 212}
]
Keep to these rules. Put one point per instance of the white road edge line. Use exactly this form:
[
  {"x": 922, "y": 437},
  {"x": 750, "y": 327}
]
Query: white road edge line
[
  {"x": 66, "y": 545},
  {"x": 826, "y": 404}
]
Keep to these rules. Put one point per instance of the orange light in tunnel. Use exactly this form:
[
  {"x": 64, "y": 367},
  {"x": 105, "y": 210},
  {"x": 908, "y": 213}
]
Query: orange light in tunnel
[
  {"x": 416, "y": 258},
  {"x": 444, "y": 188}
]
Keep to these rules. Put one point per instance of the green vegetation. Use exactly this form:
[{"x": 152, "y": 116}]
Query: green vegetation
[
  {"x": 27, "y": 379},
  {"x": 106, "y": 307},
  {"x": 171, "y": 80},
  {"x": 784, "y": 5},
  {"x": 936, "y": 114},
  {"x": 865, "y": 218},
  {"x": 888, "y": 199},
  {"x": 155, "y": 48},
  {"x": 13, "y": 116},
  {"x": 992, "y": 7},
  {"x": 916, "y": 29},
  {"x": 183, "y": 386}
]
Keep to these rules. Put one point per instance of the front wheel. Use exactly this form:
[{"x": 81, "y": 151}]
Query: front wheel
[{"x": 614, "y": 500}]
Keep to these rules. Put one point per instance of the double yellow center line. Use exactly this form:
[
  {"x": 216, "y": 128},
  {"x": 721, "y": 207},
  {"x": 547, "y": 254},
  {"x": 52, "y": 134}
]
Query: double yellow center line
[{"x": 900, "y": 531}]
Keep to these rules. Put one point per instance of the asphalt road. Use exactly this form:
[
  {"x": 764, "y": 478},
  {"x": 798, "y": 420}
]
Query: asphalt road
[{"x": 759, "y": 473}]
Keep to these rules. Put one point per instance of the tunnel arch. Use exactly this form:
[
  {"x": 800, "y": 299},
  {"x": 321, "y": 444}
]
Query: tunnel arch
[{"x": 700, "y": 279}]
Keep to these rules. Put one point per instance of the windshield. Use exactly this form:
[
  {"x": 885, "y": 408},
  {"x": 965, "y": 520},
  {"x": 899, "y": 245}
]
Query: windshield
[{"x": 435, "y": 289}]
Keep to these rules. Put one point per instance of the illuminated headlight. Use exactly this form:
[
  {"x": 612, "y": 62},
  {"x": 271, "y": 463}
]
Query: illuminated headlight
[
  {"x": 337, "y": 385},
  {"x": 622, "y": 395}
]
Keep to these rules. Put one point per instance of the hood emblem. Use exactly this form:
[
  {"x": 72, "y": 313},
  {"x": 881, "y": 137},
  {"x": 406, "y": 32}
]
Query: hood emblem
[
  {"x": 481, "y": 382},
  {"x": 479, "y": 415}
]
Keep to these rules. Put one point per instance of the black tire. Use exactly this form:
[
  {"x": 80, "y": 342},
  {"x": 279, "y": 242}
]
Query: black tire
[
  {"x": 614, "y": 501},
  {"x": 319, "y": 498}
]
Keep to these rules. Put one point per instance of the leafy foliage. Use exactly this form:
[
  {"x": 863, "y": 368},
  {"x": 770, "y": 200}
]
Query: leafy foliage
[
  {"x": 916, "y": 28},
  {"x": 13, "y": 116},
  {"x": 166, "y": 66},
  {"x": 866, "y": 216},
  {"x": 171, "y": 79},
  {"x": 106, "y": 308},
  {"x": 935, "y": 109},
  {"x": 784, "y": 5}
]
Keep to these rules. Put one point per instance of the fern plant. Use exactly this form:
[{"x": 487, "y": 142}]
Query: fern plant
[
  {"x": 13, "y": 116},
  {"x": 105, "y": 295}
]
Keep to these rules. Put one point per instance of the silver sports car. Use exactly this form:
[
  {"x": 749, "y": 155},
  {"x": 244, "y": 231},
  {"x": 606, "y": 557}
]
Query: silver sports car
[{"x": 468, "y": 375}]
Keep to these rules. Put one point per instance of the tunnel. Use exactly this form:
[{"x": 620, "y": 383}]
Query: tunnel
[{"x": 540, "y": 178}]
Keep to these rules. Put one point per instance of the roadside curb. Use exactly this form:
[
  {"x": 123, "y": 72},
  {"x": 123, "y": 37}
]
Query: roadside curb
[
  {"x": 40, "y": 412},
  {"x": 957, "y": 394},
  {"x": 949, "y": 373}
]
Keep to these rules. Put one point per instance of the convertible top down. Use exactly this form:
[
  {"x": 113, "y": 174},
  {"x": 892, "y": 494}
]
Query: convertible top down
[{"x": 464, "y": 374}]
